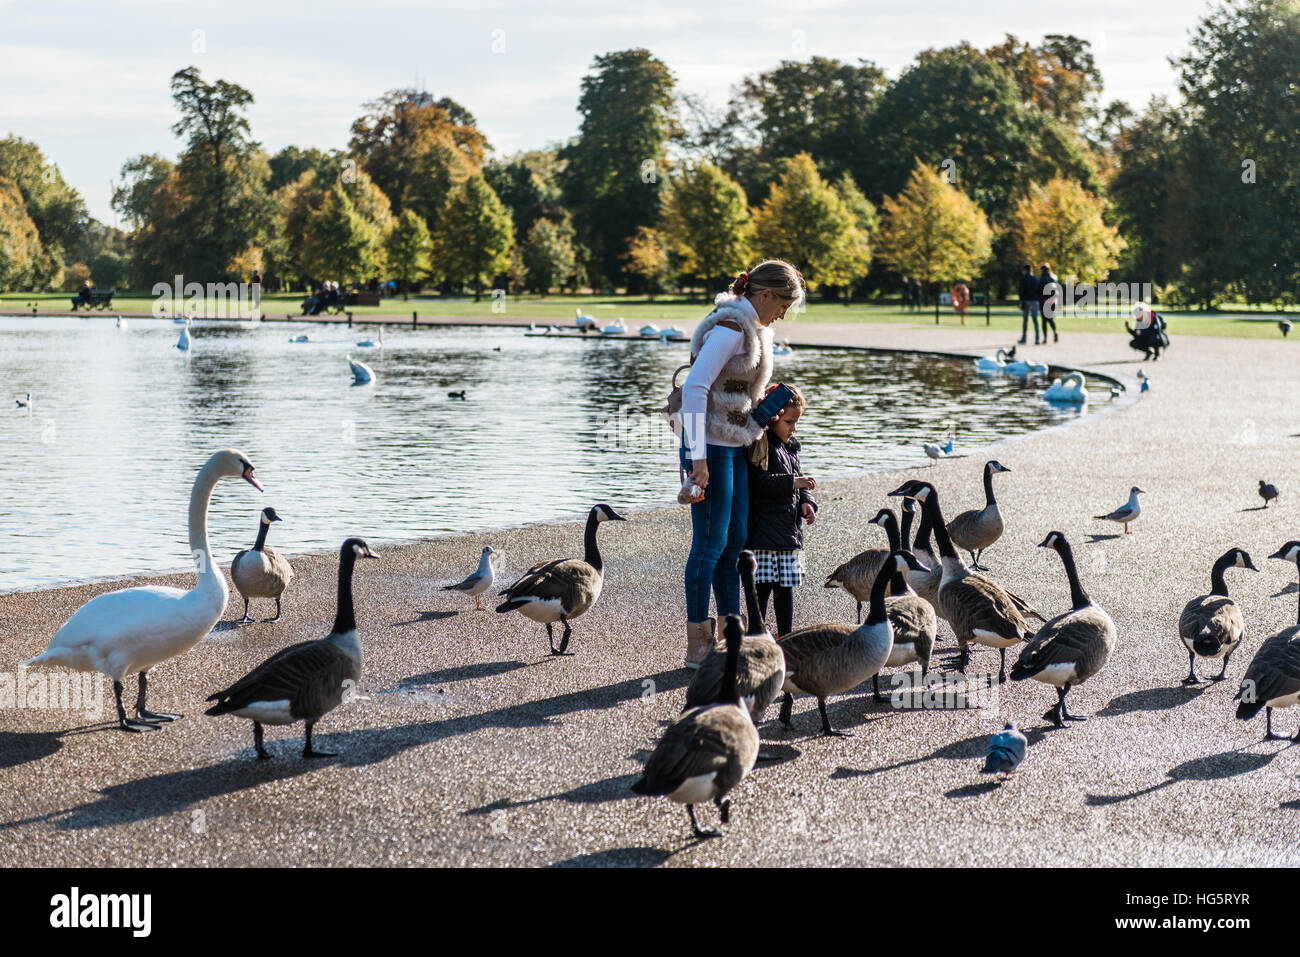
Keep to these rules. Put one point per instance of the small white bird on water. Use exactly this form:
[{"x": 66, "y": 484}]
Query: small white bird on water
[
  {"x": 480, "y": 581},
  {"x": 25, "y": 403},
  {"x": 1006, "y": 751},
  {"x": 1126, "y": 513}
]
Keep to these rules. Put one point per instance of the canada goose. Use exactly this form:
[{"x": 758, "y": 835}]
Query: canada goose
[
  {"x": 979, "y": 528},
  {"x": 828, "y": 659},
  {"x": 26, "y": 402},
  {"x": 261, "y": 572},
  {"x": 1285, "y": 326},
  {"x": 307, "y": 680},
  {"x": 1211, "y": 625},
  {"x": 361, "y": 373},
  {"x": 986, "y": 365},
  {"x": 1069, "y": 389},
  {"x": 1273, "y": 677},
  {"x": 480, "y": 581},
  {"x": 760, "y": 668},
  {"x": 1267, "y": 492},
  {"x": 925, "y": 584},
  {"x": 858, "y": 574},
  {"x": 708, "y": 750},
  {"x": 1126, "y": 513},
  {"x": 563, "y": 588},
  {"x": 977, "y": 608},
  {"x": 136, "y": 628},
  {"x": 1006, "y": 751},
  {"x": 912, "y": 619},
  {"x": 1070, "y": 648}
]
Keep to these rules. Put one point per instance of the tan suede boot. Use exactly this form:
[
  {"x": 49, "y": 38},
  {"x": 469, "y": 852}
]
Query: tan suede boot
[{"x": 699, "y": 641}]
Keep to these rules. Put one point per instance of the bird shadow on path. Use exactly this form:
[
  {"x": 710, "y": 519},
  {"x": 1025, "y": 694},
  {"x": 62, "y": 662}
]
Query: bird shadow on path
[
  {"x": 620, "y": 857},
  {"x": 1256, "y": 508},
  {"x": 482, "y": 669},
  {"x": 174, "y": 791},
  {"x": 1154, "y": 699},
  {"x": 1290, "y": 589},
  {"x": 1094, "y": 538},
  {"x": 425, "y": 616},
  {"x": 597, "y": 792},
  {"x": 1214, "y": 767}
]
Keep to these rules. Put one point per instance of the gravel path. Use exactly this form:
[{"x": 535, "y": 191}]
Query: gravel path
[{"x": 472, "y": 746}]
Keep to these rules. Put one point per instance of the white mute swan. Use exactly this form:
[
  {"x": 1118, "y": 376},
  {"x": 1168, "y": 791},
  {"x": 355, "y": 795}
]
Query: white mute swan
[
  {"x": 615, "y": 328},
  {"x": 361, "y": 373},
  {"x": 649, "y": 331},
  {"x": 1022, "y": 368},
  {"x": 997, "y": 364},
  {"x": 136, "y": 628},
  {"x": 1067, "y": 389},
  {"x": 183, "y": 343}
]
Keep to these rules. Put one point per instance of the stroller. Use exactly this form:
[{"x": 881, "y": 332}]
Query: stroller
[{"x": 1151, "y": 334}]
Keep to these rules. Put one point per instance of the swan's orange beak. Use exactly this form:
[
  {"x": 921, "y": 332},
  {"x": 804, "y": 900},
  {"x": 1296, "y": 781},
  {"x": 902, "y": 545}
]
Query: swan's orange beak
[{"x": 251, "y": 480}]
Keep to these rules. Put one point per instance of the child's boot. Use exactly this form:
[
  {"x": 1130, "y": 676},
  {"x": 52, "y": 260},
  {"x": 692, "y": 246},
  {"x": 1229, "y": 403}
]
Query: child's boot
[{"x": 699, "y": 641}]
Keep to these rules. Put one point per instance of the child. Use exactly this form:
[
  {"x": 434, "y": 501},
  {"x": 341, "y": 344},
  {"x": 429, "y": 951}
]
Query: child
[{"x": 780, "y": 501}]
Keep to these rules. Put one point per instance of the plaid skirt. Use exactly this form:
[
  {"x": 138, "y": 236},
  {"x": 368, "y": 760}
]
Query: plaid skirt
[{"x": 784, "y": 568}]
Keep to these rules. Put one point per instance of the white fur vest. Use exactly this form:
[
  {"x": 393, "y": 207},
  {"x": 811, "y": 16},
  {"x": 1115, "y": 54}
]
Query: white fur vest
[{"x": 739, "y": 386}]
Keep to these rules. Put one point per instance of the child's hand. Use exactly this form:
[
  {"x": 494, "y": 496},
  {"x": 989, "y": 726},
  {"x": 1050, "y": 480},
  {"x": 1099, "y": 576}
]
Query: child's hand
[
  {"x": 805, "y": 481},
  {"x": 809, "y": 513}
]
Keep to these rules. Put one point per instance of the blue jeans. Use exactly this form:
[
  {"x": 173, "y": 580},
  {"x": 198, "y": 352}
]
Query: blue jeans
[
  {"x": 719, "y": 525},
  {"x": 1027, "y": 309}
]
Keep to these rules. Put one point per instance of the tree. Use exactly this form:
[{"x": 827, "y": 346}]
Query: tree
[
  {"x": 1146, "y": 151},
  {"x": 339, "y": 244},
  {"x": 297, "y": 202},
  {"x": 1059, "y": 77},
  {"x": 707, "y": 223},
  {"x": 474, "y": 237},
  {"x": 222, "y": 177},
  {"x": 1063, "y": 224},
  {"x": 933, "y": 231},
  {"x": 408, "y": 247},
  {"x": 547, "y": 256},
  {"x": 647, "y": 260},
  {"x": 805, "y": 222},
  {"x": 110, "y": 270},
  {"x": 20, "y": 246},
  {"x": 612, "y": 170},
  {"x": 417, "y": 149},
  {"x": 528, "y": 184},
  {"x": 54, "y": 207}
]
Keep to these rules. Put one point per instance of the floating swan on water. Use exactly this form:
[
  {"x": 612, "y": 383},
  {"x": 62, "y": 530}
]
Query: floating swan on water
[
  {"x": 997, "y": 364},
  {"x": 133, "y": 629},
  {"x": 361, "y": 373},
  {"x": 782, "y": 348},
  {"x": 371, "y": 343},
  {"x": 1022, "y": 368},
  {"x": 615, "y": 328},
  {"x": 183, "y": 343},
  {"x": 121, "y": 323},
  {"x": 1070, "y": 388},
  {"x": 302, "y": 338},
  {"x": 649, "y": 330}
]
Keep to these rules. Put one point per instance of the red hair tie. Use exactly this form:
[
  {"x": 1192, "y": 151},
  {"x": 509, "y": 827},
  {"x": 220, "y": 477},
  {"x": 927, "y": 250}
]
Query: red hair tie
[{"x": 744, "y": 276}]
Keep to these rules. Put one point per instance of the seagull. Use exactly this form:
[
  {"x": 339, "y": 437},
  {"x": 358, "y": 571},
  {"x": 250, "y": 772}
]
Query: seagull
[
  {"x": 1128, "y": 512},
  {"x": 25, "y": 403},
  {"x": 121, "y": 323},
  {"x": 938, "y": 451},
  {"x": 1267, "y": 492},
  {"x": 479, "y": 582},
  {"x": 1006, "y": 751}
]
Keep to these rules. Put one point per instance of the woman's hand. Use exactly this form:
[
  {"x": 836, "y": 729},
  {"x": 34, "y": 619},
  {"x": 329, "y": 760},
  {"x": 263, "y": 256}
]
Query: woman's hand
[
  {"x": 809, "y": 513},
  {"x": 805, "y": 481},
  {"x": 700, "y": 473}
]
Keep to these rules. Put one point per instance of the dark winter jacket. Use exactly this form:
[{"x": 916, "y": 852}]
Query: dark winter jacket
[
  {"x": 775, "y": 522},
  {"x": 1028, "y": 287}
]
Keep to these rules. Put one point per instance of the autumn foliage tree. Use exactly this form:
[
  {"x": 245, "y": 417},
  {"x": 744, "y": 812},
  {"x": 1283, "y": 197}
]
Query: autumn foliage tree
[
  {"x": 933, "y": 231},
  {"x": 1063, "y": 224},
  {"x": 474, "y": 236},
  {"x": 707, "y": 223}
]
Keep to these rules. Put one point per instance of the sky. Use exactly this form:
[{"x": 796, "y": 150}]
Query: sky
[{"x": 87, "y": 80}]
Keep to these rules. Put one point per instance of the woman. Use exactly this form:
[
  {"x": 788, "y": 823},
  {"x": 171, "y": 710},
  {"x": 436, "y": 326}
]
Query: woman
[{"x": 731, "y": 356}]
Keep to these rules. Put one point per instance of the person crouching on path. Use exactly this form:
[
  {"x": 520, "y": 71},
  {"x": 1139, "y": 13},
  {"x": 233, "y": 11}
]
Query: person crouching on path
[
  {"x": 780, "y": 502},
  {"x": 731, "y": 361}
]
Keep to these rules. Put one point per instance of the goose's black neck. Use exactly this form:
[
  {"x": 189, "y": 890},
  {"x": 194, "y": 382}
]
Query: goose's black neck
[
  {"x": 1078, "y": 597},
  {"x": 344, "y": 619},
  {"x": 891, "y": 529},
  {"x": 905, "y": 528},
  {"x": 592, "y": 555},
  {"x": 934, "y": 516},
  {"x": 988, "y": 485},
  {"x": 262, "y": 528},
  {"x": 923, "y": 533},
  {"x": 751, "y": 601},
  {"x": 727, "y": 693},
  {"x": 876, "y": 613},
  {"x": 1218, "y": 584}
]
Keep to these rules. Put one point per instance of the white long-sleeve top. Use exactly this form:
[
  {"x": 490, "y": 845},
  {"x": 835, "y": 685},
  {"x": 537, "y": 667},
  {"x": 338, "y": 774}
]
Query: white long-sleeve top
[{"x": 719, "y": 346}]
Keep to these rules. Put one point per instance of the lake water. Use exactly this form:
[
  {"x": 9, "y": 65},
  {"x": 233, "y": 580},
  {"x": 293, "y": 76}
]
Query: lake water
[{"x": 95, "y": 478}]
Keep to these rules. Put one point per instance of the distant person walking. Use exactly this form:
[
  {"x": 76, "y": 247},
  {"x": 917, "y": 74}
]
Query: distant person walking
[
  {"x": 1049, "y": 300},
  {"x": 907, "y": 293},
  {"x": 960, "y": 300},
  {"x": 1028, "y": 302},
  {"x": 916, "y": 295}
]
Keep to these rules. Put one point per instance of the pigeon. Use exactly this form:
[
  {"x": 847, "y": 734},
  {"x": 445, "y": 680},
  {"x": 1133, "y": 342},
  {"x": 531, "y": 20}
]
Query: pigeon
[
  {"x": 1006, "y": 751},
  {"x": 480, "y": 581},
  {"x": 1267, "y": 492},
  {"x": 1128, "y": 512}
]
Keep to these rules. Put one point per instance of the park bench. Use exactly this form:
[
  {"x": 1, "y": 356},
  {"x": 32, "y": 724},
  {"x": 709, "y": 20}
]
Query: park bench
[
  {"x": 364, "y": 299},
  {"x": 99, "y": 299}
]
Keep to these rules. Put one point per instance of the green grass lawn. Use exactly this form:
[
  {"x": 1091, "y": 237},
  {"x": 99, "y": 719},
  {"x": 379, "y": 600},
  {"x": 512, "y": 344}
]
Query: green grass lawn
[{"x": 636, "y": 310}]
